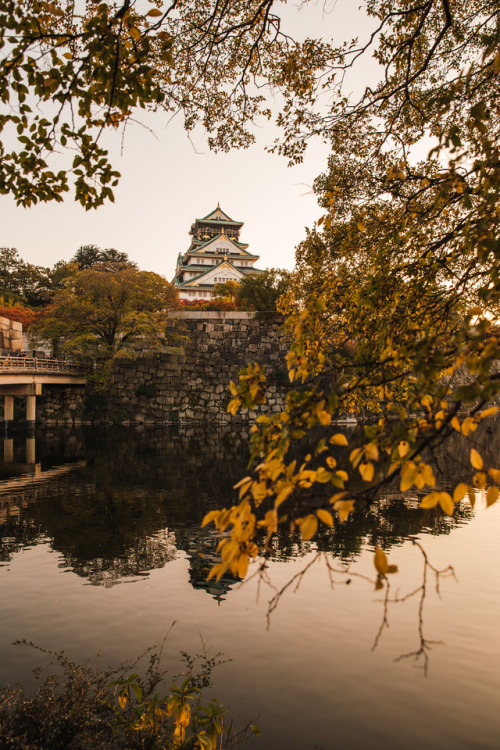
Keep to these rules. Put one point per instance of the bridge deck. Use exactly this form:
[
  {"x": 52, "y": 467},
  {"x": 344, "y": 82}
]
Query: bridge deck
[{"x": 20, "y": 370}]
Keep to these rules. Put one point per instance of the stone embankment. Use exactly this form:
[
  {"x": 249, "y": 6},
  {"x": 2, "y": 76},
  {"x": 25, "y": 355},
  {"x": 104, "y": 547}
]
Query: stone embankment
[{"x": 186, "y": 385}]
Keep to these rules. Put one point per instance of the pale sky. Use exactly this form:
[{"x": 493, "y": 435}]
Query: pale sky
[{"x": 167, "y": 181}]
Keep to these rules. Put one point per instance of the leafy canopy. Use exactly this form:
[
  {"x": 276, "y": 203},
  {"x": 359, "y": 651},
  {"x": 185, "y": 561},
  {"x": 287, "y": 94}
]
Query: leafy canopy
[
  {"x": 89, "y": 256},
  {"x": 22, "y": 282},
  {"x": 259, "y": 292},
  {"x": 393, "y": 306},
  {"x": 262, "y": 291},
  {"x": 96, "y": 313},
  {"x": 69, "y": 72}
]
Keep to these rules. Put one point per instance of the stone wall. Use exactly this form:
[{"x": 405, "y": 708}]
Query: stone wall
[
  {"x": 182, "y": 386},
  {"x": 11, "y": 336}
]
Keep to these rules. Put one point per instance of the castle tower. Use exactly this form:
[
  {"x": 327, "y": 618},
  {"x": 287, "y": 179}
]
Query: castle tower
[{"x": 215, "y": 255}]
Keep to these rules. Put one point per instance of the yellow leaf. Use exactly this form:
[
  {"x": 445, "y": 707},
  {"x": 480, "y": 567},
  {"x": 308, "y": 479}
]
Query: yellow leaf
[
  {"x": 324, "y": 417},
  {"x": 134, "y": 33},
  {"x": 371, "y": 452},
  {"x": 488, "y": 412},
  {"x": 491, "y": 496},
  {"x": 380, "y": 561},
  {"x": 468, "y": 425},
  {"x": 343, "y": 508},
  {"x": 337, "y": 496},
  {"x": 475, "y": 459},
  {"x": 408, "y": 476},
  {"x": 245, "y": 480},
  {"x": 472, "y": 497},
  {"x": 426, "y": 471},
  {"x": 430, "y": 500},
  {"x": 480, "y": 479},
  {"x": 259, "y": 491},
  {"x": 355, "y": 456},
  {"x": 308, "y": 526},
  {"x": 341, "y": 474},
  {"x": 495, "y": 475},
  {"x": 122, "y": 700},
  {"x": 403, "y": 448},
  {"x": 446, "y": 503},
  {"x": 339, "y": 439},
  {"x": 392, "y": 569},
  {"x": 242, "y": 565},
  {"x": 212, "y": 516},
  {"x": 455, "y": 423},
  {"x": 217, "y": 571},
  {"x": 325, "y": 516},
  {"x": 366, "y": 470},
  {"x": 323, "y": 476},
  {"x": 233, "y": 405},
  {"x": 154, "y": 12},
  {"x": 379, "y": 584},
  {"x": 331, "y": 462},
  {"x": 460, "y": 492},
  {"x": 283, "y": 494}
]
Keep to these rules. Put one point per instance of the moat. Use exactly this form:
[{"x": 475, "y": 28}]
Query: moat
[{"x": 101, "y": 550}]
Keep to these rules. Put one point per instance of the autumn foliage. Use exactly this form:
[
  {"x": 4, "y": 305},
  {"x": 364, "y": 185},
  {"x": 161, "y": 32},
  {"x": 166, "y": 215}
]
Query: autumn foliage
[
  {"x": 21, "y": 314},
  {"x": 392, "y": 308}
]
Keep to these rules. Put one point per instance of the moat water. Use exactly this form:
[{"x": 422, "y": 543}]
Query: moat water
[{"x": 101, "y": 550}]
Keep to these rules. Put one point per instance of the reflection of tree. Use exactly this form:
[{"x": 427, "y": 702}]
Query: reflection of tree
[
  {"x": 146, "y": 554},
  {"x": 16, "y": 533},
  {"x": 144, "y": 493},
  {"x": 387, "y": 523},
  {"x": 133, "y": 506}
]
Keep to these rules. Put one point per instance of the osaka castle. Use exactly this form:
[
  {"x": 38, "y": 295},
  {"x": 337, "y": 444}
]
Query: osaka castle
[{"x": 215, "y": 255}]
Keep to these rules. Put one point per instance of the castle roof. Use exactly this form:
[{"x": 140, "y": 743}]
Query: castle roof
[{"x": 218, "y": 215}]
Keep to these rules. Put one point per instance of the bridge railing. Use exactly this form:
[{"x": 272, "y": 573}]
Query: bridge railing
[{"x": 34, "y": 364}]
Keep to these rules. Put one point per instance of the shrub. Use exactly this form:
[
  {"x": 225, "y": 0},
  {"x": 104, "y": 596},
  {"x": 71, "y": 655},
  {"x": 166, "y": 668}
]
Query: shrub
[{"x": 83, "y": 707}]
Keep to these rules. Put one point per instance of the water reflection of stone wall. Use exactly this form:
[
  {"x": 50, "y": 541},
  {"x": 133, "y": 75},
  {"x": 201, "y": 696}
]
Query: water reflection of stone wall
[
  {"x": 138, "y": 502},
  {"x": 191, "y": 385}
]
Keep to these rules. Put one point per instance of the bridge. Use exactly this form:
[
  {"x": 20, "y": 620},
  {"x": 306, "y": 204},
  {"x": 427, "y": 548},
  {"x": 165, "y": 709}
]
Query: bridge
[{"x": 25, "y": 376}]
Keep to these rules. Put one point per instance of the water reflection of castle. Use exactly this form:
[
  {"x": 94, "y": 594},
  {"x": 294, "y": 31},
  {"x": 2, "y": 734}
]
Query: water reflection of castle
[{"x": 113, "y": 516}]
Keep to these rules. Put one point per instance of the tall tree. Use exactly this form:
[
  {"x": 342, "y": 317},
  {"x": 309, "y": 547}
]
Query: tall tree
[
  {"x": 394, "y": 303},
  {"x": 262, "y": 291},
  {"x": 23, "y": 282},
  {"x": 110, "y": 259},
  {"x": 97, "y": 313}
]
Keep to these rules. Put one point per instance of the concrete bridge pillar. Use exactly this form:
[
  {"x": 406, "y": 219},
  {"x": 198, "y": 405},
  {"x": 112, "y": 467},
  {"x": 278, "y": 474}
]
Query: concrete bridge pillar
[
  {"x": 30, "y": 408},
  {"x": 8, "y": 408}
]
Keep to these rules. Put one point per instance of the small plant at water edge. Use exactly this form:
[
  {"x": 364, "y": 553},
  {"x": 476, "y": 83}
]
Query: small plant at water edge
[{"x": 83, "y": 707}]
